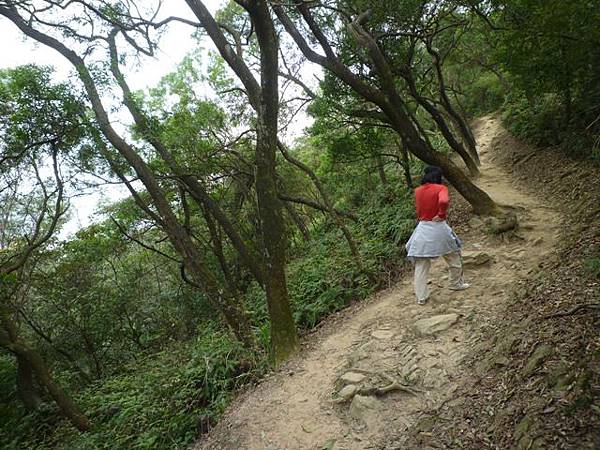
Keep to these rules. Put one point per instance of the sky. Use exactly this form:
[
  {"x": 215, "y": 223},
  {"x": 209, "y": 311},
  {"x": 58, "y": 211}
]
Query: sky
[{"x": 16, "y": 50}]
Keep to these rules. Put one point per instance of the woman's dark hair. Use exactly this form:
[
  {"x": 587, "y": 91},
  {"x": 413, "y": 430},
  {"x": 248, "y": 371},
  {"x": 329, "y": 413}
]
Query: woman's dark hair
[{"x": 432, "y": 174}]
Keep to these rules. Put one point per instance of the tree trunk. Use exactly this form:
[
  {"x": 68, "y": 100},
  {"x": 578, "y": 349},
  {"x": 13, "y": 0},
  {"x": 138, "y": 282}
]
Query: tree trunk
[
  {"x": 386, "y": 98},
  {"x": 443, "y": 127},
  {"x": 284, "y": 339},
  {"x": 297, "y": 220},
  {"x": 381, "y": 170},
  {"x": 43, "y": 375},
  {"x": 405, "y": 163},
  {"x": 481, "y": 202},
  {"x": 394, "y": 108},
  {"x": 459, "y": 121},
  {"x": 193, "y": 186},
  {"x": 217, "y": 248},
  {"x": 166, "y": 218},
  {"x": 29, "y": 360},
  {"x": 26, "y": 386}
]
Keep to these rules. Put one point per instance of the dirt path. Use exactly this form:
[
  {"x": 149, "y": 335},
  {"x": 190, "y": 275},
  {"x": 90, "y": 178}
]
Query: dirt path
[{"x": 378, "y": 345}]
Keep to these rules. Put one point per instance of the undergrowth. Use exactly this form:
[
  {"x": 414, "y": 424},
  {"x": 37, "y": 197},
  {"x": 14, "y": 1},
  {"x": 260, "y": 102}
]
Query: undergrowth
[
  {"x": 542, "y": 122},
  {"x": 163, "y": 400}
]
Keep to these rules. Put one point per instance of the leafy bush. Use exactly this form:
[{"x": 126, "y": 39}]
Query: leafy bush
[
  {"x": 541, "y": 122},
  {"x": 323, "y": 277},
  {"x": 484, "y": 95},
  {"x": 535, "y": 122}
]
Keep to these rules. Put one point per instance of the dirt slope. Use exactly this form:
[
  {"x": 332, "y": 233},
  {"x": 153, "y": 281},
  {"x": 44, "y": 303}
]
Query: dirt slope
[{"x": 378, "y": 345}]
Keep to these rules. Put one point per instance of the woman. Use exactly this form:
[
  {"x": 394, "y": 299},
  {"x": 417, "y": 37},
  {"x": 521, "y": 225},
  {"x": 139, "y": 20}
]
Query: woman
[{"x": 433, "y": 237}]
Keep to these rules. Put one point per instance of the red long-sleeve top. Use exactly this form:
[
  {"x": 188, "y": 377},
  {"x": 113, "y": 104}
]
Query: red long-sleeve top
[{"x": 432, "y": 200}]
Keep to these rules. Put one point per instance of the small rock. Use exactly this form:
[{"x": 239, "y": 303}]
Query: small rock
[
  {"x": 501, "y": 361},
  {"x": 534, "y": 361},
  {"x": 348, "y": 392},
  {"x": 498, "y": 225},
  {"x": 507, "y": 342},
  {"x": 352, "y": 378},
  {"x": 475, "y": 222},
  {"x": 362, "y": 405},
  {"x": 522, "y": 428},
  {"x": 426, "y": 424},
  {"x": 382, "y": 334},
  {"x": 428, "y": 363},
  {"x": 476, "y": 258},
  {"x": 329, "y": 444},
  {"x": 435, "y": 324}
]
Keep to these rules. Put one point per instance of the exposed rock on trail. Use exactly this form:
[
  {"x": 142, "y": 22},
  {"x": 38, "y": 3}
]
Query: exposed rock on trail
[
  {"x": 333, "y": 395},
  {"x": 435, "y": 324}
]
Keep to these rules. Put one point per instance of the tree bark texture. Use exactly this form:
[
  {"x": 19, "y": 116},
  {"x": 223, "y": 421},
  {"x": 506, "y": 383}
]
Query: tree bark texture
[
  {"x": 264, "y": 99},
  {"x": 284, "y": 339}
]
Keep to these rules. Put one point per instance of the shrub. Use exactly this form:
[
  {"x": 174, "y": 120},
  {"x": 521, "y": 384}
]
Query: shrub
[
  {"x": 537, "y": 122},
  {"x": 484, "y": 95}
]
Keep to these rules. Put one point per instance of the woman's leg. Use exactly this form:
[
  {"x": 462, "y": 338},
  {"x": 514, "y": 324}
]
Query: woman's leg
[
  {"x": 454, "y": 261},
  {"x": 421, "y": 272}
]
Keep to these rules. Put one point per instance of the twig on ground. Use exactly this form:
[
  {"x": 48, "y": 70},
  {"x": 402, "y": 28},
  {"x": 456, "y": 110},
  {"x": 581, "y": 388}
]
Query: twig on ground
[{"x": 573, "y": 310}]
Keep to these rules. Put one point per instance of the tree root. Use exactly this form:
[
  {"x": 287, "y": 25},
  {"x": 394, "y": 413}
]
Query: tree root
[
  {"x": 394, "y": 386},
  {"x": 502, "y": 219},
  {"x": 573, "y": 310}
]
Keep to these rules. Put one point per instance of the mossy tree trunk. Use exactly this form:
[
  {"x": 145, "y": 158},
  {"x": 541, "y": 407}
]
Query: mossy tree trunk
[{"x": 284, "y": 339}]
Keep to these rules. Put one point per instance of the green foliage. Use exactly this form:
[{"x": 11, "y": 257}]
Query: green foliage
[
  {"x": 141, "y": 352},
  {"x": 538, "y": 122},
  {"x": 550, "y": 51},
  {"x": 551, "y": 46},
  {"x": 161, "y": 401},
  {"x": 164, "y": 395},
  {"x": 484, "y": 95},
  {"x": 7, "y": 383},
  {"x": 36, "y": 111},
  {"x": 325, "y": 278}
]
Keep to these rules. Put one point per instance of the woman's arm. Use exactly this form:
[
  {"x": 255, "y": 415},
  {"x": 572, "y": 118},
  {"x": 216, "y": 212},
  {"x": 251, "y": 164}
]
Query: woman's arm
[{"x": 443, "y": 202}]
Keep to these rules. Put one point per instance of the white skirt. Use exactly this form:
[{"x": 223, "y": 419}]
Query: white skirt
[{"x": 432, "y": 239}]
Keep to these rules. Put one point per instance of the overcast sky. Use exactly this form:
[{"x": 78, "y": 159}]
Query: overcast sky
[{"x": 15, "y": 50}]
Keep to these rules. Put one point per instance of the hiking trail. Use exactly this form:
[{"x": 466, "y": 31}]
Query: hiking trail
[{"x": 389, "y": 342}]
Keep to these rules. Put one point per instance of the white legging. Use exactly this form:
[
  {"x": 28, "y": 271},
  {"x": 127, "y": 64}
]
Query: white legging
[{"x": 422, "y": 265}]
